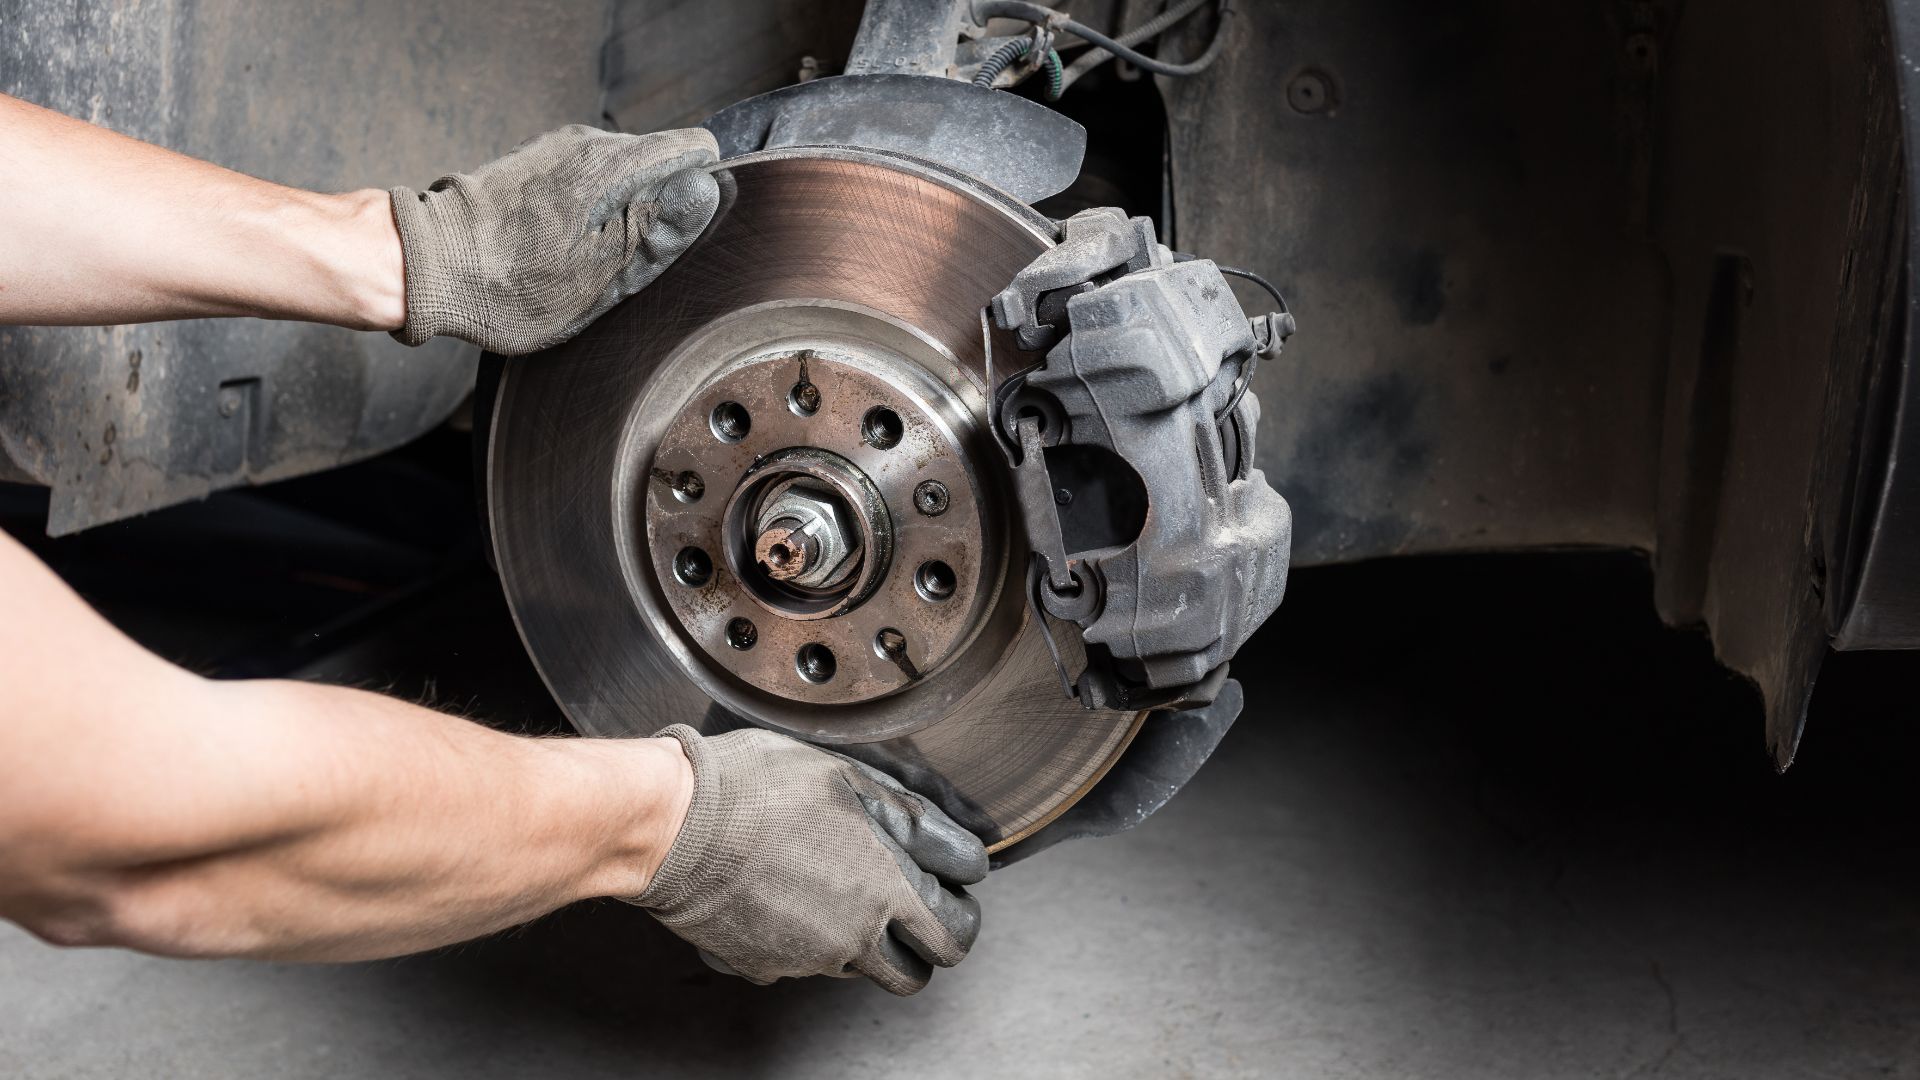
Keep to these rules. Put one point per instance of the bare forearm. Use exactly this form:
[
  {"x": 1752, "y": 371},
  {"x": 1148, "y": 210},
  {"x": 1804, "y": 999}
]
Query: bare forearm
[
  {"x": 318, "y": 823},
  {"x": 157, "y": 810},
  {"x": 97, "y": 228},
  {"x": 357, "y": 826}
]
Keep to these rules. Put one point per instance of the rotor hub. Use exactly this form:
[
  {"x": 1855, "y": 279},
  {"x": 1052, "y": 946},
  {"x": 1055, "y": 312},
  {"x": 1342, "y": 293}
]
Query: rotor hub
[{"x": 825, "y": 545}]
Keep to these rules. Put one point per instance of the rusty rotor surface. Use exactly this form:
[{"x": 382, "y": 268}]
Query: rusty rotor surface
[{"x": 631, "y": 529}]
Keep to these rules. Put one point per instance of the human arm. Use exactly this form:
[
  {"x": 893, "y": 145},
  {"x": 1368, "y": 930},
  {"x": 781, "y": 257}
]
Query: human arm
[
  {"x": 516, "y": 256},
  {"x": 99, "y": 228},
  {"x": 145, "y": 807}
]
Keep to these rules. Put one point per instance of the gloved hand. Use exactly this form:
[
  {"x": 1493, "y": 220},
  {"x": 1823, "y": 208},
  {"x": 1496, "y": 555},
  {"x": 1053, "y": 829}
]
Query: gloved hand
[
  {"x": 527, "y": 250},
  {"x": 797, "y": 861}
]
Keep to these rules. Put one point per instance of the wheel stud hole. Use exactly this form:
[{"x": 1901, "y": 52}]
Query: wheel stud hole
[
  {"x": 815, "y": 663},
  {"x": 881, "y": 428},
  {"x": 692, "y": 567},
  {"x": 742, "y": 634},
  {"x": 730, "y": 422},
  {"x": 934, "y": 581}
]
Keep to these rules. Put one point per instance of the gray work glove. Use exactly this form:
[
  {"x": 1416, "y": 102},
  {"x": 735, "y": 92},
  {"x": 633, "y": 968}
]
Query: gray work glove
[
  {"x": 526, "y": 251},
  {"x": 798, "y": 861}
]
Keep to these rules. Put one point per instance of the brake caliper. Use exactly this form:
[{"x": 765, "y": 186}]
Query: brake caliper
[{"x": 1132, "y": 445}]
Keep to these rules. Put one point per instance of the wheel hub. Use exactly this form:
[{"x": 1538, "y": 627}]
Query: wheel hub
[{"x": 825, "y": 548}]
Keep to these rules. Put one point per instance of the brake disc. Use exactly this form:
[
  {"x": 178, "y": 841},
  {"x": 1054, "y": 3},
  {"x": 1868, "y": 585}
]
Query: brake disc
[{"x": 764, "y": 491}]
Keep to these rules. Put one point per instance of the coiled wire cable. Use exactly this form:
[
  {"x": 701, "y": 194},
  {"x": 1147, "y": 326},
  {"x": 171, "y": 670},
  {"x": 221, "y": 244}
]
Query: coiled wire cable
[{"x": 1005, "y": 55}]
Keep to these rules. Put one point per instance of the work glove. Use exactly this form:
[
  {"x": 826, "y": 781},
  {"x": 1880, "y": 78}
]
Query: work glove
[
  {"x": 798, "y": 861},
  {"x": 526, "y": 251}
]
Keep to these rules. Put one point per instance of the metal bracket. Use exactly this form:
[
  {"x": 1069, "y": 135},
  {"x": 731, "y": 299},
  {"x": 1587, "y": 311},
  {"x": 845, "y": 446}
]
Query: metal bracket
[
  {"x": 1035, "y": 488},
  {"x": 1020, "y": 147}
]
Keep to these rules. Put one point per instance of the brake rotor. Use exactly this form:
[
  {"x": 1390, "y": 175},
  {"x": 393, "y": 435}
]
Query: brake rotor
[{"x": 763, "y": 490}]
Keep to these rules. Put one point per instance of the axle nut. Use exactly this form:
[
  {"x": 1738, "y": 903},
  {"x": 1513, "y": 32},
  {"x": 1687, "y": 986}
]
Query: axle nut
[{"x": 806, "y": 538}]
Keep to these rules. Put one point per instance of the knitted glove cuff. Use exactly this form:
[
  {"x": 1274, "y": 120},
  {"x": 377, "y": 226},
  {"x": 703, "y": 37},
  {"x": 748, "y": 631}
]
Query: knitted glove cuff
[
  {"x": 685, "y": 874},
  {"x": 442, "y": 257}
]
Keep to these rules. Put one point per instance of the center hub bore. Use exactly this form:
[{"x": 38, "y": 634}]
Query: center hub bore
[
  {"x": 807, "y": 533},
  {"x": 804, "y": 538},
  {"x": 835, "y": 550}
]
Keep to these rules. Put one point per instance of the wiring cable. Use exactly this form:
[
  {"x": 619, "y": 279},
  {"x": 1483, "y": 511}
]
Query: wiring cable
[
  {"x": 1245, "y": 275},
  {"x": 1245, "y": 381},
  {"x": 1060, "y": 22},
  {"x": 1146, "y": 31}
]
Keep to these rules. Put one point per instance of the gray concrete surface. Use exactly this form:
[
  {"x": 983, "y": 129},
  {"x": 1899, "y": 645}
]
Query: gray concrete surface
[{"x": 1515, "y": 830}]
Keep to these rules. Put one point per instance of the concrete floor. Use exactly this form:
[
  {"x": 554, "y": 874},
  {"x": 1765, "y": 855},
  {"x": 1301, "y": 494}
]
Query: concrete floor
[{"x": 1484, "y": 819}]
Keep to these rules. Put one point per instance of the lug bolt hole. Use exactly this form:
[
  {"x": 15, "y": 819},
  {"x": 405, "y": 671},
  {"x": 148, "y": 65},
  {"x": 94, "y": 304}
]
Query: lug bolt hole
[
  {"x": 815, "y": 663},
  {"x": 730, "y": 422},
  {"x": 742, "y": 634},
  {"x": 934, "y": 581},
  {"x": 804, "y": 399},
  {"x": 881, "y": 428},
  {"x": 692, "y": 567}
]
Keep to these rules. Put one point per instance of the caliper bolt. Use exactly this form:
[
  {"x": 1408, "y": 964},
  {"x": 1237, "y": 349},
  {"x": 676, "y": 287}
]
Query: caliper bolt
[{"x": 931, "y": 498}]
